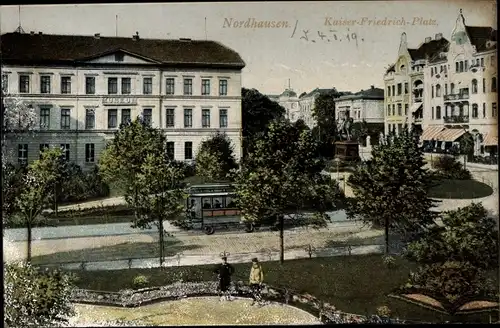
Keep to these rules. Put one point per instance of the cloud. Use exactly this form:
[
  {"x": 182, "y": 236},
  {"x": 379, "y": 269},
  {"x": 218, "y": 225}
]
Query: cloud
[{"x": 290, "y": 69}]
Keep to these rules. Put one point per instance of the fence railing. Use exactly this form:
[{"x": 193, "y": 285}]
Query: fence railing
[{"x": 180, "y": 259}]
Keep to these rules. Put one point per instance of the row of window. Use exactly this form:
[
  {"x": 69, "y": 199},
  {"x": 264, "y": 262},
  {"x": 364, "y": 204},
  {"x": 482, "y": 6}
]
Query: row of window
[
  {"x": 400, "y": 110},
  {"x": 147, "y": 115},
  {"x": 125, "y": 84},
  {"x": 436, "y": 113},
  {"x": 442, "y": 69},
  {"x": 22, "y": 152},
  {"x": 399, "y": 91},
  {"x": 436, "y": 90}
]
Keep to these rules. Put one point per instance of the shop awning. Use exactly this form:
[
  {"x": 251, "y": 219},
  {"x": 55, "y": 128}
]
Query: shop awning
[
  {"x": 416, "y": 107},
  {"x": 450, "y": 135},
  {"x": 431, "y": 133},
  {"x": 490, "y": 139}
]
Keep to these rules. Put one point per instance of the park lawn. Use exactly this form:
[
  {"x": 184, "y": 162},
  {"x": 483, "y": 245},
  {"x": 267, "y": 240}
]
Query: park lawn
[
  {"x": 460, "y": 189},
  {"x": 354, "y": 284}
]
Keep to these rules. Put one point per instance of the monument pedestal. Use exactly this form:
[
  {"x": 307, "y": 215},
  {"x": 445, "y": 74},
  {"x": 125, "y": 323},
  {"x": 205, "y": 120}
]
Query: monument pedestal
[{"x": 347, "y": 151}]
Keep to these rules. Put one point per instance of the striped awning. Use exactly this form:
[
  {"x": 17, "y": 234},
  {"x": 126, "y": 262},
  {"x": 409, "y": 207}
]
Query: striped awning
[
  {"x": 431, "y": 133},
  {"x": 416, "y": 107},
  {"x": 490, "y": 139},
  {"x": 450, "y": 135}
]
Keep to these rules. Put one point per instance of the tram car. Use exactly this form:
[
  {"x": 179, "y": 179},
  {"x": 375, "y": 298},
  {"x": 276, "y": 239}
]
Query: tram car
[{"x": 211, "y": 207}]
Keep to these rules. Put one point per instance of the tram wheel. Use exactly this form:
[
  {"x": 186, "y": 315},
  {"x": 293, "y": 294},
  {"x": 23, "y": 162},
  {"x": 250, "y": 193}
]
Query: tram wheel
[
  {"x": 249, "y": 228},
  {"x": 209, "y": 230}
]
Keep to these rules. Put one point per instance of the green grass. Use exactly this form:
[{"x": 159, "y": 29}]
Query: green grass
[
  {"x": 354, "y": 284},
  {"x": 116, "y": 252},
  {"x": 460, "y": 189}
]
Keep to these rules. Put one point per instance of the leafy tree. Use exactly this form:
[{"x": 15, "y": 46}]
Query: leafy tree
[
  {"x": 124, "y": 156},
  {"x": 454, "y": 258},
  {"x": 11, "y": 188},
  {"x": 361, "y": 130},
  {"x": 454, "y": 283},
  {"x": 37, "y": 190},
  {"x": 391, "y": 189},
  {"x": 215, "y": 159},
  {"x": 468, "y": 235},
  {"x": 159, "y": 194},
  {"x": 35, "y": 299},
  {"x": 137, "y": 160},
  {"x": 467, "y": 147},
  {"x": 257, "y": 112},
  {"x": 325, "y": 129},
  {"x": 279, "y": 177}
]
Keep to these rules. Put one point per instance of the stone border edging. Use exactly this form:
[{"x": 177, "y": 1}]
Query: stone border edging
[{"x": 325, "y": 312}]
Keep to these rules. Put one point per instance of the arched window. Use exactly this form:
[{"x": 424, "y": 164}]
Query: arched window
[
  {"x": 438, "y": 112},
  {"x": 452, "y": 88},
  {"x": 475, "y": 113},
  {"x": 438, "y": 90},
  {"x": 493, "y": 84},
  {"x": 474, "y": 86},
  {"x": 461, "y": 66},
  {"x": 389, "y": 91},
  {"x": 457, "y": 68}
]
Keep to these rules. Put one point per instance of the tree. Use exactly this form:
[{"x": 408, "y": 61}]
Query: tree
[
  {"x": 391, "y": 189},
  {"x": 280, "y": 176},
  {"x": 454, "y": 258},
  {"x": 466, "y": 147},
  {"x": 159, "y": 194},
  {"x": 137, "y": 160},
  {"x": 257, "y": 112},
  {"x": 215, "y": 159},
  {"x": 124, "y": 156},
  {"x": 468, "y": 236},
  {"x": 35, "y": 299},
  {"x": 37, "y": 190}
]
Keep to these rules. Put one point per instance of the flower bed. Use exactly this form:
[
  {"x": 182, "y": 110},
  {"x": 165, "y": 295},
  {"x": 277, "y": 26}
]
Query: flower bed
[{"x": 133, "y": 298}]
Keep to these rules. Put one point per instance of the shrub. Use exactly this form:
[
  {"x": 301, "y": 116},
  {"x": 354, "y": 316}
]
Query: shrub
[
  {"x": 383, "y": 311},
  {"x": 140, "y": 281},
  {"x": 448, "y": 167},
  {"x": 389, "y": 261},
  {"x": 78, "y": 185},
  {"x": 35, "y": 299}
]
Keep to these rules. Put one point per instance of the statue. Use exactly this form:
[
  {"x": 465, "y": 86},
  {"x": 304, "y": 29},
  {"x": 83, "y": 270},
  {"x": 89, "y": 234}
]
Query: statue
[
  {"x": 344, "y": 127},
  {"x": 477, "y": 144},
  {"x": 381, "y": 138},
  {"x": 368, "y": 141}
]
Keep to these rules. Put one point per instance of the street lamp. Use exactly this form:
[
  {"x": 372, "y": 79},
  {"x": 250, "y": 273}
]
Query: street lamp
[{"x": 337, "y": 161}]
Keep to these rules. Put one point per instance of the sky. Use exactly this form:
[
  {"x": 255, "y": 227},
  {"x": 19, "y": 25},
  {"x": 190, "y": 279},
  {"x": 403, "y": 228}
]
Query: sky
[{"x": 308, "y": 48}]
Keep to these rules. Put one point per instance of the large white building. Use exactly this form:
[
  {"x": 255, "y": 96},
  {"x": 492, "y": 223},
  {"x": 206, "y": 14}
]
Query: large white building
[
  {"x": 307, "y": 102},
  {"x": 365, "y": 105},
  {"x": 83, "y": 87},
  {"x": 446, "y": 88}
]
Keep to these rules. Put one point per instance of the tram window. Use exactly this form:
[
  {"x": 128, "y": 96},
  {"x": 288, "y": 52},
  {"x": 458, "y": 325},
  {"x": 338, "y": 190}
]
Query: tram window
[
  {"x": 218, "y": 202},
  {"x": 207, "y": 203},
  {"x": 194, "y": 207},
  {"x": 230, "y": 203}
]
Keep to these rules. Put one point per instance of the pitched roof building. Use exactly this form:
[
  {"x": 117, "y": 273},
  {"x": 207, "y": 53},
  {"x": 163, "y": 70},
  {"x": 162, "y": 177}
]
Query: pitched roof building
[{"x": 83, "y": 87}]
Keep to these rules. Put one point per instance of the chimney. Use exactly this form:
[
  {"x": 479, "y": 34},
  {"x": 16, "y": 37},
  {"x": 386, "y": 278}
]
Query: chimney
[
  {"x": 439, "y": 36},
  {"x": 428, "y": 39},
  {"x": 136, "y": 36},
  {"x": 97, "y": 35},
  {"x": 373, "y": 87}
]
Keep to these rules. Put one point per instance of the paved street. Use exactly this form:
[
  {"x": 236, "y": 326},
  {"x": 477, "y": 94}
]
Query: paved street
[
  {"x": 116, "y": 229},
  {"x": 142, "y": 245}
]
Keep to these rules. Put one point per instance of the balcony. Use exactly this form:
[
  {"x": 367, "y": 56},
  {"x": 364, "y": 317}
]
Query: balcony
[
  {"x": 458, "y": 96},
  {"x": 456, "y": 119}
]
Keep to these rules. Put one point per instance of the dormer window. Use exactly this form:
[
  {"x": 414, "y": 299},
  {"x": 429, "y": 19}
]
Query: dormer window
[{"x": 119, "y": 57}]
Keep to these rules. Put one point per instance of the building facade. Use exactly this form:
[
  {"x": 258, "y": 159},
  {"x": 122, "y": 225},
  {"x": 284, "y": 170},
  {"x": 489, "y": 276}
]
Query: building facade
[
  {"x": 83, "y": 87},
  {"x": 307, "y": 102},
  {"x": 365, "y": 105},
  {"x": 446, "y": 88}
]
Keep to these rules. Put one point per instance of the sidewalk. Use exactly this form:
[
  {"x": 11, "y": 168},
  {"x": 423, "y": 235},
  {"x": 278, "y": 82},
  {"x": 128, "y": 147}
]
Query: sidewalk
[{"x": 189, "y": 260}]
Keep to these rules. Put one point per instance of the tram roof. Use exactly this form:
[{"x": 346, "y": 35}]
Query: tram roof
[{"x": 213, "y": 194}]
